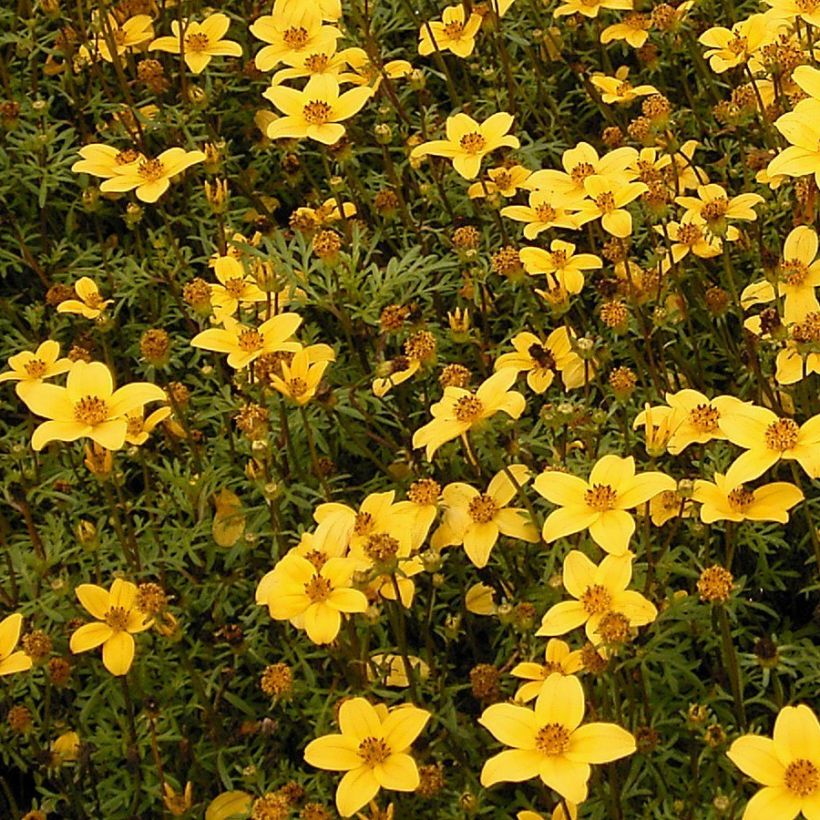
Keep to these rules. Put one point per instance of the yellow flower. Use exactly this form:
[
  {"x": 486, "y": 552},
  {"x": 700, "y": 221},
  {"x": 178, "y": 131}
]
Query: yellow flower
[
  {"x": 29, "y": 368},
  {"x": 723, "y": 501},
  {"x": 480, "y": 600},
  {"x": 557, "y": 658},
  {"x": 229, "y": 805},
  {"x": 245, "y": 344},
  {"x": 451, "y": 33},
  {"x": 475, "y": 520},
  {"x": 235, "y": 288},
  {"x": 468, "y": 141},
  {"x": 104, "y": 161},
  {"x": 11, "y": 661},
  {"x": 311, "y": 598},
  {"x": 582, "y": 162},
  {"x": 801, "y": 128},
  {"x": 505, "y": 181},
  {"x": 590, "y": 8},
  {"x": 134, "y": 32},
  {"x": 768, "y": 438},
  {"x": 460, "y": 410},
  {"x": 65, "y": 748},
  {"x": 199, "y": 42},
  {"x": 151, "y": 178},
  {"x": 607, "y": 198},
  {"x": 798, "y": 274},
  {"x": 729, "y": 48},
  {"x": 633, "y": 29},
  {"x": 89, "y": 304},
  {"x": 550, "y": 741},
  {"x": 316, "y": 111},
  {"x": 294, "y": 30},
  {"x": 87, "y": 407},
  {"x": 396, "y": 371},
  {"x": 372, "y": 749},
  {"x": 601, "y": 503},
  {"x": 546, "y": 209},
  {"x": 542, "y": 359},
  {"x": 618, "y": 89},
  {"x": 389, "y": 670},
  {"x": 308, "y": 64},
  {"x": 715, "y": 208},
  {"x": 139, "y": 428},
  {"x": 598, "y": 591},
  {"x": 117, "y": 620},
  {"x": 691, "y": 417},
  {"x": 788, "y": 766},
  {"x": 366, "y": 72},
  {"x": 668, "y": 505},
  {"x": 300, "y": 377},
  {"x": 560, "y": 264},
  {"x": 690, "y": 235},
  {"x": 658, "y": 429}
]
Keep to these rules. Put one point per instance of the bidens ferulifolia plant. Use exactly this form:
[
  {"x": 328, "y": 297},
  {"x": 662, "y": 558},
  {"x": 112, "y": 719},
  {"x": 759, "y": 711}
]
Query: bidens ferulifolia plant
[{"x": 409, "y": 410}]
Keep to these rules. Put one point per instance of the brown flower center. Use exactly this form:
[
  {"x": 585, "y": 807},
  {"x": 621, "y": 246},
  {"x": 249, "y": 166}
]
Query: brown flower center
[
  {"x": 35, "y": 369},
  {"x": 298, "y": 387},
  {"x": 363, "y": 523},
  {"x": 596, "y": 599},
  {"x": 793, "y": 272},
  {"x": 317, "y": 112},
  {"x": 91, "y": 410},
  {"x": 235, "y": 287},
  {"x": 424, "y": 491},
  {"x": 689, "y": 234},
  {"x": 317, "y": 558},
  {"x": 250, "y": 340},
  {"x": 807, "y": 6},
  {"x": 151, "y": 170},
  {"x": 318, "y": 589},
  {"x": 468, "y": 409},
  {"x": 808, "y": 330},
  {"x": 605, "y": 202},
  {"x": 802, "y": 777},
  {"x": 482, "y": 509},
  {"x": 715, "y": 210},
  {"x": 623, "y": 89},
  {"x": 373, "y": 750},
  {"x": 503, "y": 180},
  {"x": 135, "y": 426},
  {"x": 545, "y": 212},
  {"x": 196, "y": 42},
  {"x": 781, "y": 435},
  {"x": 581, "y": 171},
  {"x": 381, "y": 547},
  {"x": 614, "y": 627},
  {"x": 558, "y": 259},
  {"x": 94, "y": 301},
  {"x": 295, "y": 37},
  {"x": 737, "y": 45},
  {"x": 704, "y": 418},
  {"x": 316, "y": 63},
  {"x": 126, "y": 156},
  {"x": 453, "y": 30},
  {"x": 117, "y": 618},
  {"x": 552, "y": 739},
  {"x": 472, "y": 143},
  {"x": 600, "y": 497},
  {"x": 740, "y": 499}
]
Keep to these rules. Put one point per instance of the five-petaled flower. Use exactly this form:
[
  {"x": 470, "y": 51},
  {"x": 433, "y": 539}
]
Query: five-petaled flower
[{"x": 199, "y": 42}]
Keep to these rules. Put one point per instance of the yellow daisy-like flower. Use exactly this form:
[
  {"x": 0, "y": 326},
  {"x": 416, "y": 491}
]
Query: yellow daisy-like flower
[
  {"x": 787, "y": 766},
  {"x": 582, "y": 162},
  {"x": 199, "y": 42},
  {"x": 801, "y": 128},
  {"x": 293, "y": 31},
  {"x": 634, "y": 29},
  {"x": 29, "y": 368},
  {"x": 476, "y": 520},
  {"x": 598, "y": 591},
  {"x": 372, "y": 749},
  {"x": 11, "y": 661},
  {"x": 542, "y": 359},
  {"x": 315, "y": 112},
  {"x": 460, "y": 410},
  {"x": 235, "y": 288},
  {"x": 607, "y": 198},
  {"x": 723, "y": 501},
  {"x": 104, "y": 161},
  {"x": 151, "y": 178},
  {"x": 798, "y": 276},
  {"x": 118, "y": 619},
  {"x": 454, "y": 32},
  {"x": 767, "y": 439},
  {"x": 245, "y": 344},
  {"x": 134, "y": 32},
  {"x": 89, "y": 304},
  {"x": 546, "y": 209},
  {"x": 468, "y": 141},
  {"x": 300, "y": 65},
  {"x": 550, "y": 741},
  {"x": 505, "y": 181},
  {"x": 139, "y": 428},
  {"x": 87, "y": 407},
  {"x": 560, "y": 264},
  {"x": 300, "y": 377},
  {"x": 714, "y": 207},
  {"x": 618, "y": 89},
  {"x": 311, "y": 598},
  {"x": 557, "y": 658},
  {"x": 601, "y": 503},
  {"x": 690, "y": 236},
  {"x": 367, "y": 72},
  {"x": 727, "y": 48}
]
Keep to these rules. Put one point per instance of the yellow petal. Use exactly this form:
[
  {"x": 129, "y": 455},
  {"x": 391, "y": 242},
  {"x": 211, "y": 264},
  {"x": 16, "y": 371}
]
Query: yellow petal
[
  {"x": 90, "y": 636},
  {"x": 561, "y": 701},
  {"x": 358, "y": 720},
  {"x": 357, "y": 788},
  {"x": 567, "y": 777},
  {"x": 757, "y": 757},
  {"x": 511, "y": 725},
  {"x": 118, "y": 653},
  {"x": 403, "y": 725},
  {"x": 797, "y": 734},
  {"x": 600, "y": 743},
  {"x": 10, "y": 633},
  {"x": 335, "y": 753},
  {"x": 95, "y": 599},
  {"x": 511, "y": 766},
  {"x": 398, "y": 772}
]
